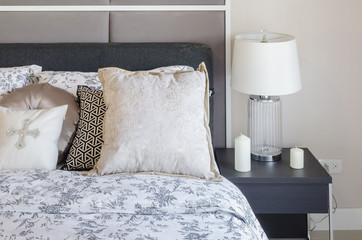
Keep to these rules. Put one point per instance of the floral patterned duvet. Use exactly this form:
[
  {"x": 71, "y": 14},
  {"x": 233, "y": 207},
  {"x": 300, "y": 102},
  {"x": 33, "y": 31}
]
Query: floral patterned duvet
[{"x": 39, "y": 204}]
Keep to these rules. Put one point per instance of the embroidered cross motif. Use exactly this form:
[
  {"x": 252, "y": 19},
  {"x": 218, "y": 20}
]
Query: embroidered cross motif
[{"x": 22, "y": 133}]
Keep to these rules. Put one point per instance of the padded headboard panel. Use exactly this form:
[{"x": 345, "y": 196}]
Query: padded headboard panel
[
  {"x": 128, "y": 21},
  {"x": 88, "y": 57},
  {"x": 91, "y": 56}
]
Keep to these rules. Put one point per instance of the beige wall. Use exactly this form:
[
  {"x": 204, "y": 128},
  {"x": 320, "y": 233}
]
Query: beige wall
[{"x": 326, "y": 115}]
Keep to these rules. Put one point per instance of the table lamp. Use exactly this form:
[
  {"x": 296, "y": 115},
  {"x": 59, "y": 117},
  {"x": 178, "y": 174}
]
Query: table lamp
[{"x": 265, "y": 65}]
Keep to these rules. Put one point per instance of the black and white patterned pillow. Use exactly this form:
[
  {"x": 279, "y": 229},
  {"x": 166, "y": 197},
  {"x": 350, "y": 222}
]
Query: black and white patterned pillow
[{"x": 87, "y": 144}]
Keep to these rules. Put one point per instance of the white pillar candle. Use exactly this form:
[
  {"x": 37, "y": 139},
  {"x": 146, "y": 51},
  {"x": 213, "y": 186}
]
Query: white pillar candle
[
  {"x": 296, "y": 158},
  {"x": 242, "y": 153}
]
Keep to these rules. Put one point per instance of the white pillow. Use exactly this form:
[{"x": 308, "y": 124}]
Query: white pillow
[
  {"x": 156, "y": 122},
  {"x": 70, "y": 80},
  {"x": 173, "y": 68},
  {"x": 29, "y": 139},
  {"x": 16, "y": 77}
]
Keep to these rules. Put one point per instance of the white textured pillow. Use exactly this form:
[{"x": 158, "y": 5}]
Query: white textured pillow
[
  {"x": 16, "y": 77},
  {"x": 70, "y": 80},
  {"x": 29, "y": 139},
  {"x": 156, "y": 122},
  {"x": 173, "y": 68}
]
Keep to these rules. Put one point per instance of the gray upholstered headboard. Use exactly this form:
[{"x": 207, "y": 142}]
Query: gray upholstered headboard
[
  {"x": 91, "y": 56},
  {"x": 129, "y": 21},
  {"x": 88, "y": 57}
]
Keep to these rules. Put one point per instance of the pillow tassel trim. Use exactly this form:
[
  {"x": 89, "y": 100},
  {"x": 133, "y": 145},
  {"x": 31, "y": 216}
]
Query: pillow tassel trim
[
  {"x": 94, "y": 173},
  {"x": 213, "y": 167}
]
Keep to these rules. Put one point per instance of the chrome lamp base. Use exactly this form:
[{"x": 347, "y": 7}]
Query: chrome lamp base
[
  {"x": 266, "y": 158},
  {"x": 264, "y": 127}
]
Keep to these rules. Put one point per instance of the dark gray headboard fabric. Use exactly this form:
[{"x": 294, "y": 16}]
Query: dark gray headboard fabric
[
  {"x": 88, "y": 57},
  {"x": 91, "y": 56},
  {"x": 127, "y": 21}
]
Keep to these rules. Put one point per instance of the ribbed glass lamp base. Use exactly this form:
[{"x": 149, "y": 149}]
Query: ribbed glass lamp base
[{"x": 264, "y": 128}]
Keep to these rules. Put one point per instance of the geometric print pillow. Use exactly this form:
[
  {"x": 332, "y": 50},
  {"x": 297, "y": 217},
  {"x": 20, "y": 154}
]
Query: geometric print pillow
[{"x": 87, "y": 144}]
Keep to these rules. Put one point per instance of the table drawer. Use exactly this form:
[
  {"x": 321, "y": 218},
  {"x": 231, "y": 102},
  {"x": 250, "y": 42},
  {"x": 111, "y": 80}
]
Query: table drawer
[{"x": 286, "y": 198}]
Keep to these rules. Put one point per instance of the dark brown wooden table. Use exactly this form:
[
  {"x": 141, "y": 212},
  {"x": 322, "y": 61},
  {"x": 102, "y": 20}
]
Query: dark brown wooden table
[{"x": 281, "y": 197}]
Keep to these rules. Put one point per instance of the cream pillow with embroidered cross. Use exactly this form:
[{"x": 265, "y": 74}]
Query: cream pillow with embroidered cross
[{"x": 29, "y": 139}]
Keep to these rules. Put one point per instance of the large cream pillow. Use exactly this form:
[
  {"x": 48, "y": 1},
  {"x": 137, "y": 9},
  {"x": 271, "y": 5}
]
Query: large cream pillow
[
  {"x": 156, "y": 122},
  {"x": 29, "y": 139}
]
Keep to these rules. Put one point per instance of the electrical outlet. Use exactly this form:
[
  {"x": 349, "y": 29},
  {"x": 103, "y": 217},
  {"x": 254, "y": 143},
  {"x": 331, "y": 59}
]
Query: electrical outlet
[{"x": 332, "y": 165}]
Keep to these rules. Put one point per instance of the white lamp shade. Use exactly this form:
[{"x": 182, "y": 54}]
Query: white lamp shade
[{"x": 265, "y": 68}]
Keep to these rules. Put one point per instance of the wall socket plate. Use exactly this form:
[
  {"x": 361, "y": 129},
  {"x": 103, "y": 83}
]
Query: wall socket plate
[{"x": 331, "y": 165}]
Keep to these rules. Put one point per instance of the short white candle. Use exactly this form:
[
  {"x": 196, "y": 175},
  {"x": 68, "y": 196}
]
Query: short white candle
[
  {"x": 296, "y": 158},
  {"x": 242, "y": 154}
]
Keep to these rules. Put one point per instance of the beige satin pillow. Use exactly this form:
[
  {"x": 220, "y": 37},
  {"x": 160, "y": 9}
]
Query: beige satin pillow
[
  {"x": 156, "y": 122},
  {"x": 43, "y": 96}
]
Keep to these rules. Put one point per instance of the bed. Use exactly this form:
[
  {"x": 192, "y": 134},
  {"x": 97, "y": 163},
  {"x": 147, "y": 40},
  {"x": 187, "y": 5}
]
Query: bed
[{"x": 106, "y": 200}]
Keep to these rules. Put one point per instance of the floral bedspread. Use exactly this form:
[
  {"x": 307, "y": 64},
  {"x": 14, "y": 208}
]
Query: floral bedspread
[{"x": 39, "y": 204}]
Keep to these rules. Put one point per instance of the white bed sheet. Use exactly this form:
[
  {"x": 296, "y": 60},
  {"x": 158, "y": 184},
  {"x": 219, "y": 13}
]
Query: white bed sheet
[{"x": 57, "y": 204}]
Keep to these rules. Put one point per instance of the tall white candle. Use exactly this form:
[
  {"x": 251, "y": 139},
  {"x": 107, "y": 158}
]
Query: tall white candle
[
  {"x": 242, "y": 154},
  {"x": 296, "y": 158}
]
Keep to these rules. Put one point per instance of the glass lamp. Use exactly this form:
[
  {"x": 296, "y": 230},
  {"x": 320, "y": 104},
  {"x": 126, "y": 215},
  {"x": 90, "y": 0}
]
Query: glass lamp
[{"x": 265, "y": 65}]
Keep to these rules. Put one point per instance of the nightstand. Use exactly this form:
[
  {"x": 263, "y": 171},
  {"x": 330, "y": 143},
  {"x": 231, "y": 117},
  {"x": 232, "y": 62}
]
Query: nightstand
[{"x": 281, "y": 197}]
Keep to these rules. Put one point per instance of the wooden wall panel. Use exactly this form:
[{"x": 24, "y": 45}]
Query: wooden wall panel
[
  {"x": 99, "y": 25},
  {"x": 167, "y": 2},
  {"x": 52, "y": 2},
  {"x": 107, "y": 2},
  {"x": 43, "y": 27}
]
